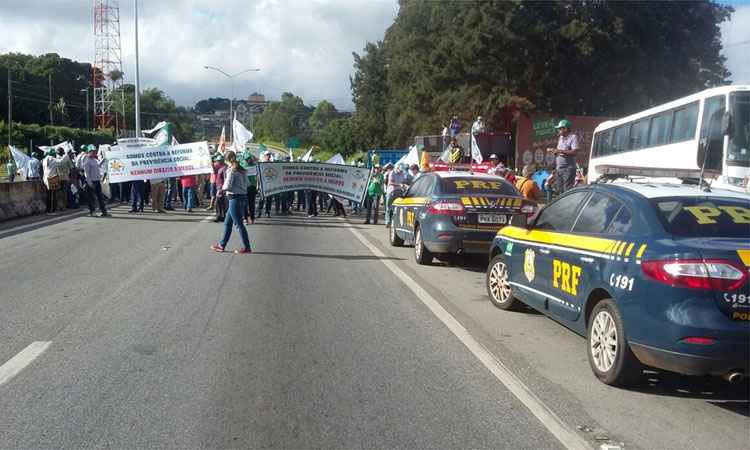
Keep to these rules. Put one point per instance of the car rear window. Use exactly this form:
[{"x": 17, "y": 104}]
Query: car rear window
[
  {"x": 704, "y": 216},
  {"x": 484, "y": 186}
]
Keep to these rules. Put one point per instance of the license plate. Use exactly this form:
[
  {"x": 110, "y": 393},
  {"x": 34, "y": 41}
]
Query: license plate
[{"x": 493, "y": 218}]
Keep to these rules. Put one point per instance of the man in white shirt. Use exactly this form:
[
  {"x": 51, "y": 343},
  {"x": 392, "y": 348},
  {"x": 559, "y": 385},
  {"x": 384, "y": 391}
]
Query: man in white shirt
[
  {"x": 51, "y": 179},
  {"x": 93, "y": 181},
  {"x": 33, "y": 169}
]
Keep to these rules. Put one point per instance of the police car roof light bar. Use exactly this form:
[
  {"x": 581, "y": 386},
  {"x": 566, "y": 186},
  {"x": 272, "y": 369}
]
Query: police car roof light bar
[{"x": 613, "y": 172}]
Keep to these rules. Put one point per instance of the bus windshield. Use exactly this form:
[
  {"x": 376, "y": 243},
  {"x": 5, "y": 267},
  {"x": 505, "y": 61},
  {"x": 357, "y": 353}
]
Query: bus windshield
[{"x": 738, "y": 153}]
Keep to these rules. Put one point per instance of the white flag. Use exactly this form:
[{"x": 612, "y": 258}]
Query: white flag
[
  {"x": 306, "y": 157},
  {"x": 241, "y": 135},
  {"x": 66, "y": 146},
  {"x": 476, "y": 155},
  {"x": 21, "y": 159},
  {"x": 410, "y": 158},
  {"x": 158, "y": 126},
  {"x": 336, "y": 159},
  {"x": 222, "y": 141}
]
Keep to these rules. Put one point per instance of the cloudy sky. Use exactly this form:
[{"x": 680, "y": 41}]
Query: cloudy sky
[{"x": 302, "y": 46}]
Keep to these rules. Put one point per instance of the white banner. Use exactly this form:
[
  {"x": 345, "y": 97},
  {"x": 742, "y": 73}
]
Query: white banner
[
  {"x": 347, "y": 182},
  {"x": 162, "y": 161}
]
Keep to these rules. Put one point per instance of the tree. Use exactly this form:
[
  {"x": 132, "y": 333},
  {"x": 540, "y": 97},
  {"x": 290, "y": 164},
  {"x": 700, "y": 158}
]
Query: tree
[
  {"x": 370, "y": 94},
  {"x": 284, "y": 119},
  {"x": 31, "y": 94},
  {"x": 323, "y": 114},
  {"x": 594, "y": 57},
  {"x": 155, "y": 107},
  {"x": 338, "y": 136}
]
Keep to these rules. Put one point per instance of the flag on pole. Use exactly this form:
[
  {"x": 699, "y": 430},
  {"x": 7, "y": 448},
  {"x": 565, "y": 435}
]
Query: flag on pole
[
  {"x": 306, "y": 157},
  {"x": 222, "y": 141},
  {"x": 476, "y": 155},
  {"x": 66, "y": 146},
  {"x": 410, "y": 158},
  {"x": 158, "y": 126},
  {"x": 241, "y": 135}
]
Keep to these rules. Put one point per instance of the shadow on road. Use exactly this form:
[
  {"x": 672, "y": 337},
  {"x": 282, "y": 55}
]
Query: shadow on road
[
  {"x": 343, "y": 257},
  {"x": 716, "y": 391}
]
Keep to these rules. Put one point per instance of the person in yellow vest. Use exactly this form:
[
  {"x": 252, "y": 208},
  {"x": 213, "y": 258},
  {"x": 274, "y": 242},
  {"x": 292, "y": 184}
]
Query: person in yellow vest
[{"x": 527, "y": 186}]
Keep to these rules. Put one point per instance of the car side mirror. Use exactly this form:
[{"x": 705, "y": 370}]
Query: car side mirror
[{"x": 519, "y": 220}]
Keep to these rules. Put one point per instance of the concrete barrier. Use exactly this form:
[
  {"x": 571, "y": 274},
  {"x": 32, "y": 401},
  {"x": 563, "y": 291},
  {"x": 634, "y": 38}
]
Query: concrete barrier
[{"x": 20, "y": 199}]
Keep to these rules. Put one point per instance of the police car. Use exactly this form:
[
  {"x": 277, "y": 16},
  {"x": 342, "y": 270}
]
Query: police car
[
  {"x": 450, "y": 213},
  {"x": 652, "y": 274}
]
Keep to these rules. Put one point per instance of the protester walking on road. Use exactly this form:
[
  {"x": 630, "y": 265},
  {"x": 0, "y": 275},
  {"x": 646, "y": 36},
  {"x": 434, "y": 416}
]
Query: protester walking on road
[
  {"x": 188, "y": 186},
  {"x": 235, "y": 188},
  {"x": 251, "y": 169},
  {"x": 51, "y": 174},
  {"x": 374, "y": 191},
  {"x": 136, "y": 195},
  {"x": 565, "y": 157},
  {"x": 157, "y": 195},
  {"x": 64, "y": 167},
  {"x": 220, "y": 201},
  {"x": 93, "y": 181}
]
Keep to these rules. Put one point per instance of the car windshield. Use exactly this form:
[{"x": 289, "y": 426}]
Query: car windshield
[
  {"x": 475, "y": 185},
  {"x": 739, "y": 142},
  {"x": 704, "y": 217}
]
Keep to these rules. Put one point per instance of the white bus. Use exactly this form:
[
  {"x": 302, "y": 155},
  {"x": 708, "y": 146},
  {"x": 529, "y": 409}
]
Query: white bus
[{"x": 713, "y": 124}]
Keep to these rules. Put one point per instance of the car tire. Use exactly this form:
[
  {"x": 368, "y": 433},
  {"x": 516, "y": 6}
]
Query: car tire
[
  {"x": 498, "y": 288},
  {"x": 421, "y": 254},
  {"x": 393, "y": 237},
  {"x": 608, "y": 351}
]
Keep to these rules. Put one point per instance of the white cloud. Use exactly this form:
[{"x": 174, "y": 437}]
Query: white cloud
[
  {"x": 736, "y": 37},
  {"x": 301, "y": 46}
]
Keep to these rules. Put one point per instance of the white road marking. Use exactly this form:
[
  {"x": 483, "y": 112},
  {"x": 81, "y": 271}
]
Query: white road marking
[
  {"x": 25, "y": 357},
  {"x": 546, "y": 416},
  {"x": 207, "y": 219}
]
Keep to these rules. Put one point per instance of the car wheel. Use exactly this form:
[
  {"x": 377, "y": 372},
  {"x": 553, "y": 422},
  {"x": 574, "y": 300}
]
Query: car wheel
[
  {"x": 609, "y": 354},
  {"x": 395, "y": 240},
  {"x": 498, "y": 287},
  {"x": 421, "y": 254}
]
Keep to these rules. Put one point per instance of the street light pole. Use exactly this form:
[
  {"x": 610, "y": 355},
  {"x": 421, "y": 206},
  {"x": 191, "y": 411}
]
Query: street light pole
[
  {"x": 137, "y": 80},
  {"x": 231, "y": 81}
]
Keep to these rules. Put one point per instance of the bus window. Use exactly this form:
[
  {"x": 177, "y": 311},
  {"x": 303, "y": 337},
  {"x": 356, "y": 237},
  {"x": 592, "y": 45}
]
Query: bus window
[
  {"x": 738, "y": 153},
  {"x": 711, "y": 139},
  {"x": 685, "y": 121},
  {"x": 660, "y": 126},
  {"x": 639, "y": 135},
  {"x": 620, "y": 139},
  {"x": 602, "y": 145}
]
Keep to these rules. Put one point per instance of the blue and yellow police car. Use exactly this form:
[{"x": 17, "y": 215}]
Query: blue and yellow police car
[
  {"x": 452, "y": 213},
  {"x": 652, "y": 274}
]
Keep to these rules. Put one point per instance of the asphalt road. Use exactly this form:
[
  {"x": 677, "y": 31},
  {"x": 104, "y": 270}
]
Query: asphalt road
[{"x": 150, "y": 339}]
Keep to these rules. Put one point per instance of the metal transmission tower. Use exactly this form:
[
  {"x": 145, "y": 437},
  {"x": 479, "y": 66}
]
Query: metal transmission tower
[{"x": 107, "y": 68}]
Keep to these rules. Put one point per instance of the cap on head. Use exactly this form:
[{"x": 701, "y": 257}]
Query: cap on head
[
  {"x": 389, "y": 165},
  {"x": 564, "y": 123},
  {"x": 493, "y": 156}
]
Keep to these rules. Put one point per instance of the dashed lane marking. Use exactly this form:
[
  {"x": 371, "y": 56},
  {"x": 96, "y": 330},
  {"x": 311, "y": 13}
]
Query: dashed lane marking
[
  {"x": 25, "y": 357},
  {"x": 535, "y": 405}
]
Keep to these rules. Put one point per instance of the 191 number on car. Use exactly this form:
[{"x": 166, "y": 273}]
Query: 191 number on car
[{"x": 621, "y": 281}]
